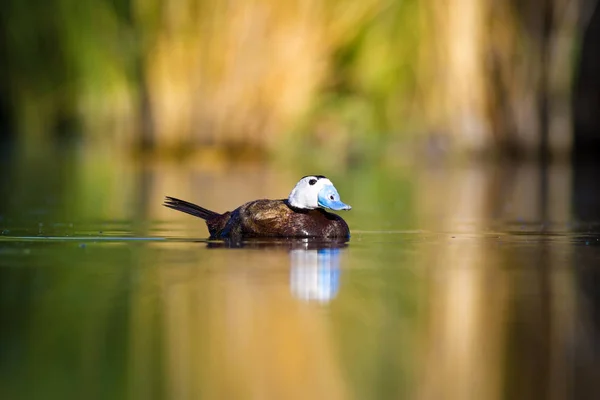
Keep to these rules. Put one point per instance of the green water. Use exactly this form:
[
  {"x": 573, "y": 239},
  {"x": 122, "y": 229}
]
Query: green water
[{"x": 473, "y": 282}]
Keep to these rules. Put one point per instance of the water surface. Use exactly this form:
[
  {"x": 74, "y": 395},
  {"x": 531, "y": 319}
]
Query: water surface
[{"x": 463, "y": 283}]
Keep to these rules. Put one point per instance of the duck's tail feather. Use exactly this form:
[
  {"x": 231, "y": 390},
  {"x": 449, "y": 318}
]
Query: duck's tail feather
[{"x": 190, "y": 208}]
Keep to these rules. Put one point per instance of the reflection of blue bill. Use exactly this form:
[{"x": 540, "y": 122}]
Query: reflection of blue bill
[{"x": 315, "y": 274}]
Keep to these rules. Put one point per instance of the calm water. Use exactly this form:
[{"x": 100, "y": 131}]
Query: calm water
[{"x": 462, "y": 283}]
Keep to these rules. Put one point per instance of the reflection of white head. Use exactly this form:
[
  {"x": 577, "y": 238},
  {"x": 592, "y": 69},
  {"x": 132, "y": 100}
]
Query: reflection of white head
[
  {"x": 315, "y": 191},
  {"x": 315, "y": 274}
]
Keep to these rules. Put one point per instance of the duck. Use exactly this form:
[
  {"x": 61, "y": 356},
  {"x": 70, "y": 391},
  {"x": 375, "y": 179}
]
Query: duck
[{"x": 302, "y": 215}]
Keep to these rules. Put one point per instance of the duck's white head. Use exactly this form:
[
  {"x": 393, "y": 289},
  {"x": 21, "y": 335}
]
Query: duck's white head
[{"x": 316, "y": 191}]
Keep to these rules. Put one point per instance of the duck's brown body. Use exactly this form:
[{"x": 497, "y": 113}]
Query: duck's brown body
[{"x": 266, "y": 218}]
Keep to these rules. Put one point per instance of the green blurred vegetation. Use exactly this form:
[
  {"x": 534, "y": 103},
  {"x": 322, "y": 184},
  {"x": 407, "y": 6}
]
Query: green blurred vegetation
[{"x": 259, "y": 75}]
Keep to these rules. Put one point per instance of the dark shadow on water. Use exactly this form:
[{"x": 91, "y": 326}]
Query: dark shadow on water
[
  {"x": 285, "y": 243},
  {"x": 586, "y": 263}
]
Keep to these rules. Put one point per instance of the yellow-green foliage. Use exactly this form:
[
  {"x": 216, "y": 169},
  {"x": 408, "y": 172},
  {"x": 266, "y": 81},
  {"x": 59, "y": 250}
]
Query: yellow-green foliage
[{"x": 263, "y": 74}]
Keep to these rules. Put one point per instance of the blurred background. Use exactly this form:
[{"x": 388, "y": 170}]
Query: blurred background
[
  {"x": 257, "y": 78},
  {"x": 464, "y": 133}
]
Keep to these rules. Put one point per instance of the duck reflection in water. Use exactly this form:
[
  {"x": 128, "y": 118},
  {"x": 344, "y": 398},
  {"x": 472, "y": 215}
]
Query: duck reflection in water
[
  {"x": 314, "y": 264},
  {"x": 315, "y": 274}
]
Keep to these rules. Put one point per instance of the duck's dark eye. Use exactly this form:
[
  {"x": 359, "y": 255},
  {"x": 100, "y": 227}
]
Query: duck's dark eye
[
  {"x": 312, "y": 182},
  {"x": 331, "y": 197}
]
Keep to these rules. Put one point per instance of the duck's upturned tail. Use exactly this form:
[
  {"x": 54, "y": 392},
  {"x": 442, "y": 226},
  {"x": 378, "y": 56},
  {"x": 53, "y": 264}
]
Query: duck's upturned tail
[{"x": 190, "y": 208}]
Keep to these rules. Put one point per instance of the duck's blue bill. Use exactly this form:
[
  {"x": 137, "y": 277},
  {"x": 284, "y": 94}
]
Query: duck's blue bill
[{"x": 329, "y": 198}]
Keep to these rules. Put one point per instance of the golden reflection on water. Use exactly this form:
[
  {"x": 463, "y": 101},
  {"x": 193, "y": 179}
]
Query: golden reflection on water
[
  {"x": 237, "y": 331},
  {"x": 478, "y": 290},
  {"x": 474, "y": 286}
]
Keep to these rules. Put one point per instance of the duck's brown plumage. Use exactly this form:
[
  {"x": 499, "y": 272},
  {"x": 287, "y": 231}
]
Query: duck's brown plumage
[{"x": 266, "y": 218}]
